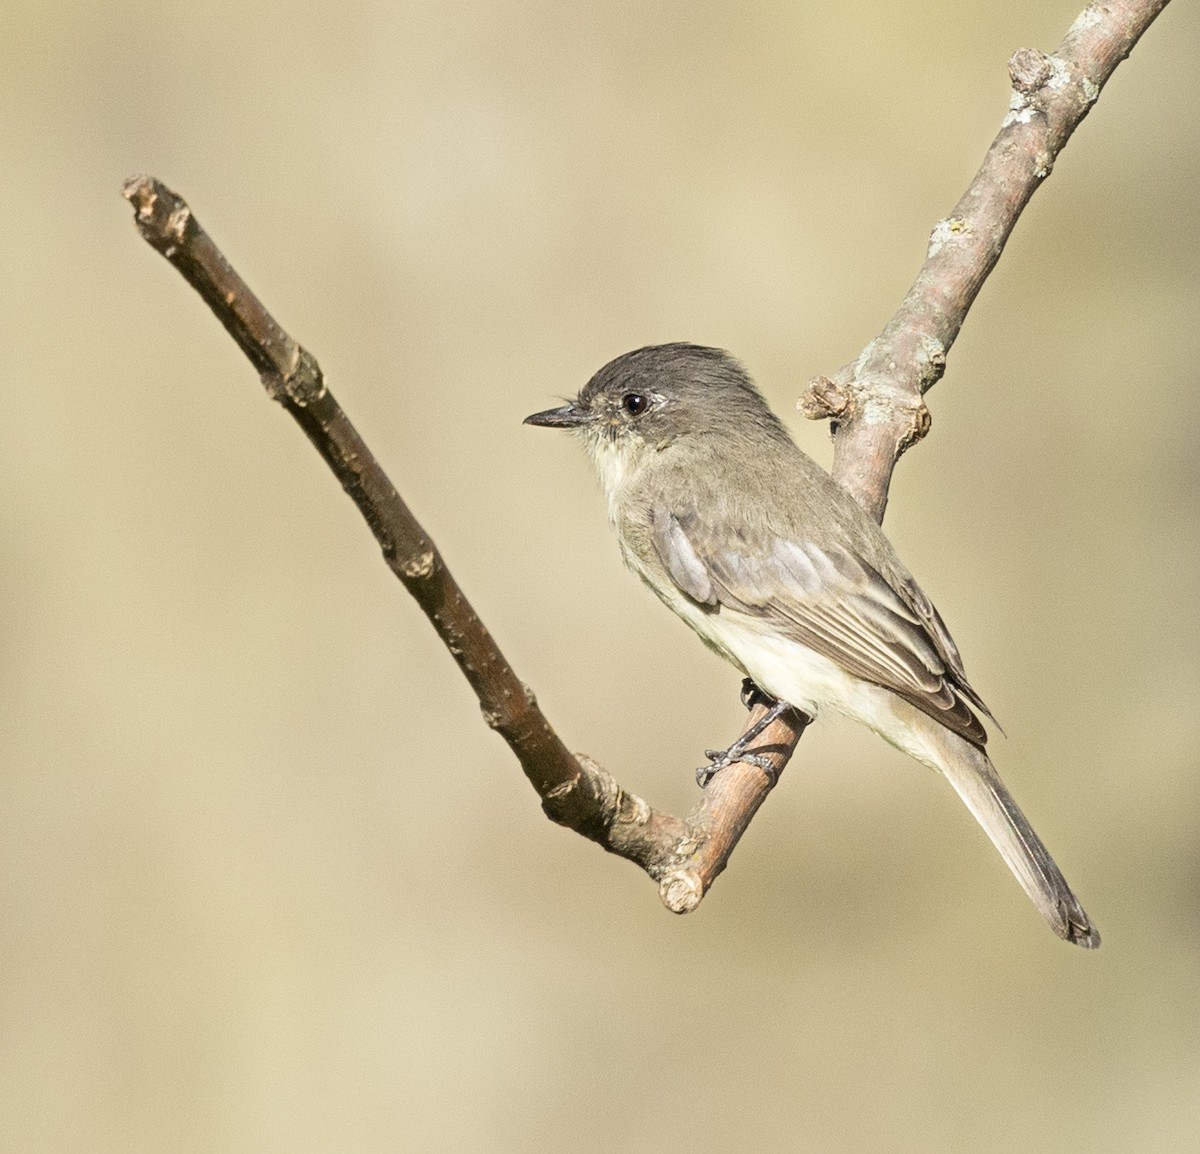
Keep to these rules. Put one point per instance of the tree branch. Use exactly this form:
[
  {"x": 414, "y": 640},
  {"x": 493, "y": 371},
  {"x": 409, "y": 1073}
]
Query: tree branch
[
  {"x": 683, "y": 855},
  {"x": 876, "y": 403}
]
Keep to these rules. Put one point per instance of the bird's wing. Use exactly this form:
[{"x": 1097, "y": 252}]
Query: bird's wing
[{"x": 828, "y": 599}]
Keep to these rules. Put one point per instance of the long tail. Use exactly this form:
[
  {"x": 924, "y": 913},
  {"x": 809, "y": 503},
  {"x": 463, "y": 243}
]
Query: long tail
[{"x": 978, "y": 784}]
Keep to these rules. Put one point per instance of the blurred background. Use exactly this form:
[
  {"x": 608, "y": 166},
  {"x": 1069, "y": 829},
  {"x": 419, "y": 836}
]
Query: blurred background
[{"x": 266, "y": 880}]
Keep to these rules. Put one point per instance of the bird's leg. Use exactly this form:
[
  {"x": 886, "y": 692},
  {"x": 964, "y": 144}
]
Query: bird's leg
[
  {"x": 751, "y": 694},
  {"x": 723, "y": 758}
]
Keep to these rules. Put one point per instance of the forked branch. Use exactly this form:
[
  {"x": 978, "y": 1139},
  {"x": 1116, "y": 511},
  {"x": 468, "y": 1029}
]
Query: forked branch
[{"x": 876, "y": 402}]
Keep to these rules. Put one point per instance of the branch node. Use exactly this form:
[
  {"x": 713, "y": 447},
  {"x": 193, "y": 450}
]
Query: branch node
[
  {"x": 1029, "y": 70},
  {"x": 419, "y": 567},
  {"x": 302, "y": 384},
  {"x": 919, "y": 424},
  {"x": 825, "y": 399},
  {"x": 680, "y": 891}
]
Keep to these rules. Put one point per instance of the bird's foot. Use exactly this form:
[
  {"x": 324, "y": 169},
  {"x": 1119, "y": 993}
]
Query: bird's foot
[{"x": 720, "y": 759}]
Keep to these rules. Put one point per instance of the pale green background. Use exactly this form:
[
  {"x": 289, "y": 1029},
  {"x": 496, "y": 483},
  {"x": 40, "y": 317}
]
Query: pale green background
[{"x": 267, "y": 883}]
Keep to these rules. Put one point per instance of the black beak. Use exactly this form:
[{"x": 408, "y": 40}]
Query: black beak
[{"x": 567, "y": 417}]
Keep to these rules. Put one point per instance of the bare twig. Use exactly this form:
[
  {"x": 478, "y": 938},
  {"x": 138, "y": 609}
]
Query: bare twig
[{"x": 876, "y": 403}]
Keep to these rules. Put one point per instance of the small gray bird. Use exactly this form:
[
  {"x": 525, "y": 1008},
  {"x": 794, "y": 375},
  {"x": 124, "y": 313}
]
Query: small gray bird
[{"x": 779, "y": 571}]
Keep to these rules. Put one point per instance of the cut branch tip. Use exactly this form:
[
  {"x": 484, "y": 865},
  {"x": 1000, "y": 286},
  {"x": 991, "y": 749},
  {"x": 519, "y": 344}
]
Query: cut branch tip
[{"x": 681, "y": 892}]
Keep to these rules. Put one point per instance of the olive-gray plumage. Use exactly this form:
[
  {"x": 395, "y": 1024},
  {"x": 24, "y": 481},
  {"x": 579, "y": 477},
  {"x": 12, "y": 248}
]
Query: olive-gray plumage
[{"x": 778, "y": 569}]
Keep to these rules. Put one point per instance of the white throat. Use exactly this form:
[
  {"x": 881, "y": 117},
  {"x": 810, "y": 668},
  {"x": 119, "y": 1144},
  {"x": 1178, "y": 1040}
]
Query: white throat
[{"x": 613, "y": 459}]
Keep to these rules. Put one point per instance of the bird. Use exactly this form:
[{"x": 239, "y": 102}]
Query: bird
[{"x": 779, "y": 571}]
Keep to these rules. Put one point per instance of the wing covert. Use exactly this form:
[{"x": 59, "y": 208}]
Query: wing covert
[{"x": 834, "y": 602}]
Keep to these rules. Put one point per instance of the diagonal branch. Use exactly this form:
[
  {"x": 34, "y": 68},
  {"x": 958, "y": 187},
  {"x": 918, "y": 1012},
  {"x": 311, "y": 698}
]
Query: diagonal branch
[
  {"x": 877, "y": 401},
  {"x": 876, "y": 404},
  {"x": 682, "y": 855}
]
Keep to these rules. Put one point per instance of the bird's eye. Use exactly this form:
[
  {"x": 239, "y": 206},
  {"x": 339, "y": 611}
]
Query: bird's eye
[{"x": 635, "y": 404}]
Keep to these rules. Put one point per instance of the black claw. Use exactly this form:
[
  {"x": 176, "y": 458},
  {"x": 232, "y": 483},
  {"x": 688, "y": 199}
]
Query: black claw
[{"x": 751, "y": 694}]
